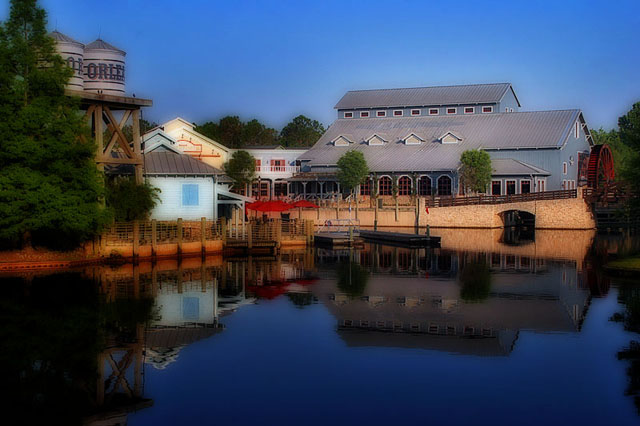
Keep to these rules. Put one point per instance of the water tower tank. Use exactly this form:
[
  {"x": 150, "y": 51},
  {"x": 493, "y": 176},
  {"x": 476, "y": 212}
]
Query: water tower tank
[
  {"x": 103, "y": 68},
  {"x": 73, "y": 53}
]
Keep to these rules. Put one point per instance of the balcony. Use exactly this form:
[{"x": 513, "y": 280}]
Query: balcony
[{"x": 265, "y": 170}]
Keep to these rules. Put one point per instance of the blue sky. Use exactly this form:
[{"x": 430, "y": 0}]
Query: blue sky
[{"x": 274, "y": 60}]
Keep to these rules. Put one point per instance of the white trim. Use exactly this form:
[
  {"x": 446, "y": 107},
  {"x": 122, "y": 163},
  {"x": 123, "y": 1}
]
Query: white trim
[
  {"x": 473, "y": 110},
  {"x": 486, "y": 112},
  {"x": 565, "y": 168},
  {"x": 441, "y": 138},
  {"x": 398, "y": 115},
  {"x": 364, "y": 114},
  {"x": 455, "y": 110},
  {"x": 339, "y": 137},
  {"x": 384, "y": 113},
  {"x": 374, "y": 136},
  {"x": 506, "y": 186},
  {"x": 344, "y": 114},
  {"x": 420, "y": 140},
  {"x": 414, "y": 110},
  {"x": 576, "y": 130},
  {"x": 437, "y": 111},
  {"x": 530, "y": 185},
  {"x": 500, "y": 181}
]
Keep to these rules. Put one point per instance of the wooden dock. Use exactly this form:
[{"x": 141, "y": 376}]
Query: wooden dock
[
  {"x": 400, "y": 239},
  {"x": 338, "y": 239}
]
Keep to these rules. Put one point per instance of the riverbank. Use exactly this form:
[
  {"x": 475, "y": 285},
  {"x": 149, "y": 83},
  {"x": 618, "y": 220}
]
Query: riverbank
[{"x": 629, "y": 266}]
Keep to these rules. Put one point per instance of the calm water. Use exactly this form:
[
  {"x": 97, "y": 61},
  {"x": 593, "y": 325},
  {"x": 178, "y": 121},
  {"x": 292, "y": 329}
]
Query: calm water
[{"x": 491, "y": 329}]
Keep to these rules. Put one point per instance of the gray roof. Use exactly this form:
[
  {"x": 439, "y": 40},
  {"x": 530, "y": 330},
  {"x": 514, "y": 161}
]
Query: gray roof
[
  {"x": 168, "y": 163},
  {"x": 511, "y": 167},
  {"x": 100, "y": 44},
  {"x": 424, "y": 96},
  {"x": 499, "y": 131},
  {"x": 58, "y": 36}
]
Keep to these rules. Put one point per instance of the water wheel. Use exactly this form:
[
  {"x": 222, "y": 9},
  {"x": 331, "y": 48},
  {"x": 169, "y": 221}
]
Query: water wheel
[{"x": 600, "y": 171}]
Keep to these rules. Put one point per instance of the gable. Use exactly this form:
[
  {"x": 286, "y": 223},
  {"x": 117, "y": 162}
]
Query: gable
[
  {"x": 450, "y": 138},
  {"x": 158, "y": 140},
  {"x": 341, "y": 141},
  {"x": 413, "y": 139},
  {"x": 375, "y": 140}
]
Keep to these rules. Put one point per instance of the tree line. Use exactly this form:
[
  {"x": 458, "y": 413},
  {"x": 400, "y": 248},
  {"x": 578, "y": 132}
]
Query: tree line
[{"x": 234, "y": 133}]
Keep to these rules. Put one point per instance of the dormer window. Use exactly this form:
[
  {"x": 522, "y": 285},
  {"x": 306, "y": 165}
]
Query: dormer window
[
  {"x": 487, "y": 109},
  {"x": 341, "y": 141},
  {"x": 364, "y": 114},
  {"x": 412, "y": 139},
  {"x": 469, "y": 110},
  {"x": 452, "y": 111},
  {"x": 397, "y": 113},
  {"x": 450, "y": 138},
  {"x": 376, "y": 140},
  {"x": 348, "y": 115},
  {"x": 415, "y": 112},
  {"x": 381, "y": 113},
  {"x": 434, "y": 111}
]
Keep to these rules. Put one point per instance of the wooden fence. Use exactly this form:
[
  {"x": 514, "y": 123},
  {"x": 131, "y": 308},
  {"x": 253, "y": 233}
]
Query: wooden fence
[{"x": 501, "y": 199}]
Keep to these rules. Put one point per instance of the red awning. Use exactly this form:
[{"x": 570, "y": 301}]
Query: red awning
[{"x": 305, "y": 204}]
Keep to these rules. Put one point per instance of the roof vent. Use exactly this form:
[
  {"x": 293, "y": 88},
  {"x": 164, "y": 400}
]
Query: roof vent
[
  {"x": 376, "y": 139},
  {"x": 341, "y": 141},
  {"x": 449, "y": 138},
  {"x": 412, "y": 139}
]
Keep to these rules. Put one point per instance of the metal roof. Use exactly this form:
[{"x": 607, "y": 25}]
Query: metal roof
[
  {"x": 424, "y": 96},
  {"x": 169, "y": 163},
  {"x": 511, "y": 167},
  {"x": 499, "y": 131},
  {"x": 100, "y": 44},
  {"x": 58, "y": 36}
]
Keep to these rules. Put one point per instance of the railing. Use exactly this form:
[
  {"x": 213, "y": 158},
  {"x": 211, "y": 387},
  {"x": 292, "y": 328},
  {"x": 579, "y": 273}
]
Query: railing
[
  {"x": 165, "y": 232},
  {"x": 501, "y": 199},
  {"x": 277, "y": 169},
  {"x": 340, "y": 225}
]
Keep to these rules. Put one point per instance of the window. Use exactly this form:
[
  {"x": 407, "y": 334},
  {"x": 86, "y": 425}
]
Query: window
[
  {"x": 564, "y": 168},
  {"x": 496, "y": 187},
  {"x": 397, "y": 113},
  {"x": 506, "y": 109},
  {"x": 348, "y": 115},
  {"x": 541, "y": 185},
  {"x": 278, "y": 165},
  {"x": 487, "y": 109},
  {"x": 510, "y": 109},
  {"x": 190, "y": 194},
  {"x": 452, "y": 110},
  {"x": 384, "y": 185},
  {"x": 365, "y": 187},
  {"x": 444, "y": 185},
  {"x": 424, "y": 185},
  {"x": 577, "y": 130},
  {"x": 280, "y": 189},
  {"x": 434, "y": 111},
  {"x": 364, "y": 114},
  {"x": 415, "y": 112},
  {"x": 469, "y": 110},
  {"x": 564, "y": 184},
  {"x": 381, "y": 113},
  {"x": 525, "y": 186},
  {"x": 511, "y": 187},
  {"x": 404, "y": 185},
  {"x": 258, "y": 164}
]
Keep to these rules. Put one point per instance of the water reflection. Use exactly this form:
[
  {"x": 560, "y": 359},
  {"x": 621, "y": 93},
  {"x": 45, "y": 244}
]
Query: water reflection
[{"x": 79, "y": 344}]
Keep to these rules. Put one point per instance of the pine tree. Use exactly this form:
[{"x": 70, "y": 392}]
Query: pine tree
[{"x": 49, "y": 184}]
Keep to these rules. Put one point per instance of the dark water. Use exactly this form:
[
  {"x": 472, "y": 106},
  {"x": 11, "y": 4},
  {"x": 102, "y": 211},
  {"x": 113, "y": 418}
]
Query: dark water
[{"x": 491, "y": 329}]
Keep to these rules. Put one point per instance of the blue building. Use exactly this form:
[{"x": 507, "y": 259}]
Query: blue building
[{"x": 416, "y": 136}]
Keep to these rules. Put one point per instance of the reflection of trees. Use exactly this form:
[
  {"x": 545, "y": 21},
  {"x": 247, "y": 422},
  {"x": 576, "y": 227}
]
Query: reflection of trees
[
  {"x": 53, "y": 330},
  {"x": 300, "y": 300},
  {"x": 475, "y": 280},
  {"x": 352, "y": 278},
  {"x": 629, "y": 295}
]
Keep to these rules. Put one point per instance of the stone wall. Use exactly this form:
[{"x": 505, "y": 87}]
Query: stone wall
[{"x": 570, "y": 213}]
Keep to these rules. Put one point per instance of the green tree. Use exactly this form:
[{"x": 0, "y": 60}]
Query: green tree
[
  {"x": 629, "y": 125},
  {"x": 352, "y": 169},
  {"x": 256, "y": 133},
  {"x": 210, "y": 129},
  {"x": 475, "y": 173},
  {"x": 622, "y": 153},
  {"x": 241, "y": 168},
  {"x": 49, "y": 184},
  {"x": 130, "y": 201},
  {"x": 352, "y": 278},
  {"x": 301, "y": 131}
]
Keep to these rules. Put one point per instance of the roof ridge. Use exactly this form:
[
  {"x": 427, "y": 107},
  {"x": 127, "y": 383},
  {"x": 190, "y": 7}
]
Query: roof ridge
[{"x": 432, "y": 87}]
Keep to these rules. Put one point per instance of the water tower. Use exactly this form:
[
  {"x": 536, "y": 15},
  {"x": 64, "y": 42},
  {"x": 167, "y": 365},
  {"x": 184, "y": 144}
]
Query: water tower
[
  {"x": 73, "y": 54},
  {"x": 104, "y": 68}
]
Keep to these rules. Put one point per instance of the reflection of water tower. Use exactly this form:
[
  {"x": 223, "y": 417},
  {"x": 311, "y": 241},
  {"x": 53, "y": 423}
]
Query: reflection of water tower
[
  {"x": 73, "y": 54},
  {"x": 103, "y": 68}
]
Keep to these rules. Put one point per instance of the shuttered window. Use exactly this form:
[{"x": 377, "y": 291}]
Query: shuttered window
[{"x": 190, "y": 194}]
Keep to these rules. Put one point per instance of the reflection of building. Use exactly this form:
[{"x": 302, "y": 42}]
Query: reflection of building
[{"x": 422, "y": 306}]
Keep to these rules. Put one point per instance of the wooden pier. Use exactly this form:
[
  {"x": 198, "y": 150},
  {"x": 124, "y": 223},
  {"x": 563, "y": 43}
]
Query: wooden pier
[
  {"x": 338, "y": 239},
  {"x": 400, "y": 239}
]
